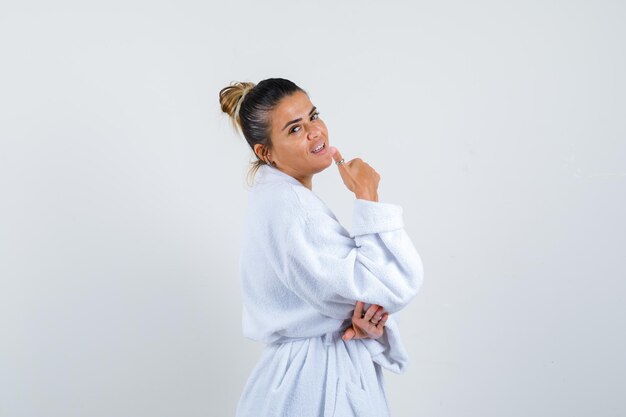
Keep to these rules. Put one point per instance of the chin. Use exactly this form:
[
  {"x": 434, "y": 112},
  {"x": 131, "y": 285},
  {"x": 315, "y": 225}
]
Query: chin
[{"x": 326, "y": 165}]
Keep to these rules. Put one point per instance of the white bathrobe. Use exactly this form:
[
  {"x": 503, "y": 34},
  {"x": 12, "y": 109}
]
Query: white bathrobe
[{"x": 301, "y": 275}]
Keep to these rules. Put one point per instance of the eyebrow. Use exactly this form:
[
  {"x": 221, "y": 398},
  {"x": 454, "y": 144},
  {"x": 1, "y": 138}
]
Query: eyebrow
[{"x": 299, "y": 118}]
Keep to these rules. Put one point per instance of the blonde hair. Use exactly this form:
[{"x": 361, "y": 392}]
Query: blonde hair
[
  {"x": 248, "y": 105},
  {"x": 231, "y": 98}
]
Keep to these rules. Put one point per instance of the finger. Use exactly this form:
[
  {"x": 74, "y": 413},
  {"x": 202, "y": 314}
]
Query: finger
[
  {"x": 371, "y": 311},
  {"x": 358, "y": 310},
  {"x": 348, "y": 334},
  {"x": 367, "y": 314},
  {"x": 382, "y": 321},
  {"x": 378, "y": 315},
  {"x": 337, "y": 157}
]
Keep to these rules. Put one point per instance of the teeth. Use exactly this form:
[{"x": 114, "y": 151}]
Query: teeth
[{"x": 319, "y": 148}]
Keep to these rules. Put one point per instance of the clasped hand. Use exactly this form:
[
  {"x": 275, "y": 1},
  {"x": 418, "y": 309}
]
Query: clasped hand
[{"x": 369, "y": 324}]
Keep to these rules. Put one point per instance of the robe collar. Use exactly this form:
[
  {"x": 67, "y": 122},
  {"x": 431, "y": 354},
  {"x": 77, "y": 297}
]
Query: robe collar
[{"x": 268, "y": 173}]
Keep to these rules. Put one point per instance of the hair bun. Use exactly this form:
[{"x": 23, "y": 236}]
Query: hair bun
[{"x": 232, "y": 96}]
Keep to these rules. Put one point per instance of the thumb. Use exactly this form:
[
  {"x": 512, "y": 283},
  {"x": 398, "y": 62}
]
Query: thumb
[{"x": 348, "y": 334}]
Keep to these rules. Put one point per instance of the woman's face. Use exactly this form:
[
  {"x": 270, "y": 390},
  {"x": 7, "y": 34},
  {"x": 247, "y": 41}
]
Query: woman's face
[{"x": 297, "y": 135}]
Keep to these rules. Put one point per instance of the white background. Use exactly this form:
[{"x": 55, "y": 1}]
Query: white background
[{"x": 499, "y": 127}]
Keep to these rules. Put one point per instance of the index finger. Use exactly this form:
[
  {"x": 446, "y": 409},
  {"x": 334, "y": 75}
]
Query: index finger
[{"x": 358, "y": 309}]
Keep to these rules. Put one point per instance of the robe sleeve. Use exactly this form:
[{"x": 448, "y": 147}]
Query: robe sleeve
[
  {"x": 388, "y": 350},
  {"x": 331, "y": 269}
]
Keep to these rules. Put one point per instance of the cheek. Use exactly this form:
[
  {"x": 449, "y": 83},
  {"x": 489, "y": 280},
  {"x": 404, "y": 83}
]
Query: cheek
[
  {"x": 295, "y": 150},
  {"x": 324, "y": 128}
]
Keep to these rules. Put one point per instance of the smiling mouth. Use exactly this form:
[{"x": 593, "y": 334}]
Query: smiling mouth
[{"x": 319, "y": 148}]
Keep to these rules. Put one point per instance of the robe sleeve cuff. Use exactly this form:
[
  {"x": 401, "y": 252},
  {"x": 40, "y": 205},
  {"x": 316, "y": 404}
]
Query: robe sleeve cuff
[
  {"x": 370, "y": 217},
  {"x": 388, "y": 351}
]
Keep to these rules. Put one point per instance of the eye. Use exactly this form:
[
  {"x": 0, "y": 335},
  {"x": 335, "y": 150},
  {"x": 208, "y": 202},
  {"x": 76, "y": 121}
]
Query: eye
[{"x": 314, "y": 116}]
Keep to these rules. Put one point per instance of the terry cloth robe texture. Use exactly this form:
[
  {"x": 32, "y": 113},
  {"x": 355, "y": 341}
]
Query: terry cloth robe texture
[{"x": 301, "y": 274}]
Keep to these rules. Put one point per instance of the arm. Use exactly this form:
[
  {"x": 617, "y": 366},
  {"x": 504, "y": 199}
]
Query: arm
[{"x": 331, "y": 270}]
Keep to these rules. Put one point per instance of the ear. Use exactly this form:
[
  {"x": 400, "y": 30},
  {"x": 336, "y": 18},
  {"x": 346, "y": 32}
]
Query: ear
[
  {"x": 263, "y": 153},
  {"x": 260, "y": 151}
]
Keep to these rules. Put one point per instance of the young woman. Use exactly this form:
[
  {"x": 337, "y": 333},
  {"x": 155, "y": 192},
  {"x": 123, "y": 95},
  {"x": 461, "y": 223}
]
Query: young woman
[{"x": 305, "y": 279}]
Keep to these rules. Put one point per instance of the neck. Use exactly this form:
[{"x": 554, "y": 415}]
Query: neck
[{"x": 306, "y": 181}]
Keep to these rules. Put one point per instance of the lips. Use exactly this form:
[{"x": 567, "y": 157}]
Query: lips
[{"x": 319, "y": 147}]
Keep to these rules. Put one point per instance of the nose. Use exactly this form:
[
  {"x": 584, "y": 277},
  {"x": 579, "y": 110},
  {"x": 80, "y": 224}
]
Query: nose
[{"x": 313, "y": 132}]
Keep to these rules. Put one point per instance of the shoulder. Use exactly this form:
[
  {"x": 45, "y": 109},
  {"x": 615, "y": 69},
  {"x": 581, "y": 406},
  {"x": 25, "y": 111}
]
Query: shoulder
[
  {"x": 275, "y": 197},
  {"x": 288, "y": 206},
  {"x": 276, "y": 207}
]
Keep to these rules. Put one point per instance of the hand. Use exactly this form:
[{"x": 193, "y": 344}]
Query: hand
[
  {"x": 371, "y": 324},
  {"x": 358, "y": 176}
]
